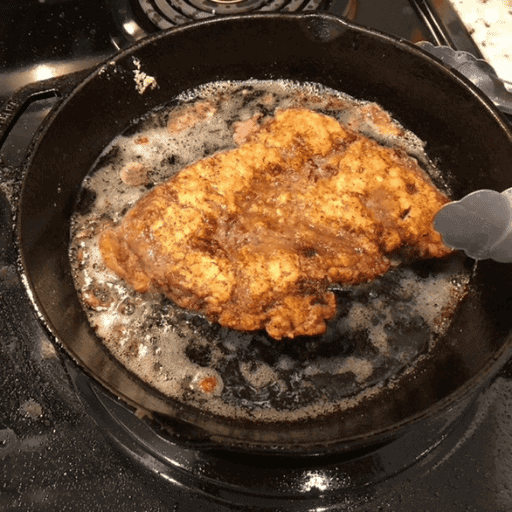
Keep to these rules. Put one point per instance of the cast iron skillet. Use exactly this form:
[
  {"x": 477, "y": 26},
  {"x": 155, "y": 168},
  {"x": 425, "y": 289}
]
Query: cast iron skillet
[{"x": 466, "y": 136}]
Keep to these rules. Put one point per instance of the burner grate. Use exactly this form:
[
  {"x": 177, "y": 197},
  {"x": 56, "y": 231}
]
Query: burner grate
[
  {"x": 136, "y": 19},
  {"x": 165, "y": 14}
]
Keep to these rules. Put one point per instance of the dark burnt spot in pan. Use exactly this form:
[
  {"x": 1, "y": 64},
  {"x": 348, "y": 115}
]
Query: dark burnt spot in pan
[
  {"x": 109, "y": 158},
  {"x": 208, "y": 149},
  {"x": 125, "y": 210},
  {"x": 199, "y": 354},
  {"x": 265, "y": 111},
  {"x": 250, "y": 94},
  {"x": 286, "y": 395},
  {"x": 169, "y": 161},
  {"x": 85, "y": 201},
  {"x": 201, "y": 325},
  {"x": 170, "y": 165},
  {"x": 425, "y": 269},
  {"x": 336, "y": 387},
  {"x": 412, "y": 335},
  {"x": 293, "y": 387}
]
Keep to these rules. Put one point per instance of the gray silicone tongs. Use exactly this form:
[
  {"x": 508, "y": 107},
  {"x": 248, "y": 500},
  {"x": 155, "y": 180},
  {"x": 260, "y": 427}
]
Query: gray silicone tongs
[{"x": 480, "y": 224}]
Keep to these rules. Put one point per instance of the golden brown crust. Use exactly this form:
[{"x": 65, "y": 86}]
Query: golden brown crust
[{"x": 254, "y": 236}]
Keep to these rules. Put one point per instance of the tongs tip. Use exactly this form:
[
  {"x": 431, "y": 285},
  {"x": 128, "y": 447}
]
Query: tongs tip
[{"x": 480, "y": 224}]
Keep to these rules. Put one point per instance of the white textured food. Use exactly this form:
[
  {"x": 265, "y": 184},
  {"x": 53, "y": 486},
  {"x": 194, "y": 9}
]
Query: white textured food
[{"x": 490, "y": 24}]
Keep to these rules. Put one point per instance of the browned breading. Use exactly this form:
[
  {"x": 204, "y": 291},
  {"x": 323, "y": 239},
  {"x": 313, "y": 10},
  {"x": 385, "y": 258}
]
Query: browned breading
[
  {"x": 134, "y": 174},
  {"x": 253, "y": 237}
]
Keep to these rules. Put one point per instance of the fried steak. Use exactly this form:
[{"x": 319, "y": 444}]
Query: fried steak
[{"x": 254, "y": 237}]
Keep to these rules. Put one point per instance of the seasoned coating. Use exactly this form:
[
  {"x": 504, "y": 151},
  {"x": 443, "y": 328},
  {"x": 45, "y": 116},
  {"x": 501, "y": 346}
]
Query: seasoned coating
[{"x": 253, "y": 237}]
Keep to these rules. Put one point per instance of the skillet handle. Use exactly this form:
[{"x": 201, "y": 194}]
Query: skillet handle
[
  {"x": 478, "y": 71},
  {"x": 58, "y": 87}
]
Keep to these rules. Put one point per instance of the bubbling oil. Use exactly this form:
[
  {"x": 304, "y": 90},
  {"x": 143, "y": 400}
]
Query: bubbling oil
[{"x": 381, "y": 330}]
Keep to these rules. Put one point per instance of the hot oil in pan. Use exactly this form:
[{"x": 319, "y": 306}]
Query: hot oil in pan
[{"x": 381, "y": 330}]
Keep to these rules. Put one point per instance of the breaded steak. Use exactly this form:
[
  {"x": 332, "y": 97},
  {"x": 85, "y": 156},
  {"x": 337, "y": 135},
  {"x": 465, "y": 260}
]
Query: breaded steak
[{"x": 254, "y": 237}]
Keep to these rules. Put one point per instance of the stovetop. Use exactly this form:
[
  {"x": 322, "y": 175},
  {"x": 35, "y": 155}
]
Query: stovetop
[
  {"x": 55, "y": 452},
  {"x": 46, "y": 38}
]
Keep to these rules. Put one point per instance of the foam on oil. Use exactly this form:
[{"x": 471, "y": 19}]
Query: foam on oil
[{"x": 381, "y": 330}]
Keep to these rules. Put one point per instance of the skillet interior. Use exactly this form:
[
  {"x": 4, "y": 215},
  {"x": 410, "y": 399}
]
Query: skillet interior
[{"x": 421, "y": 94}]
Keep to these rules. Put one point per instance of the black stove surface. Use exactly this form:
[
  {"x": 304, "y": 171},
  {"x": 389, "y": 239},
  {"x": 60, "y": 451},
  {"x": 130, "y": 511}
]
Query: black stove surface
[
  {"x": 55, "y": 452},
  {"x": 41, "y": 39}
]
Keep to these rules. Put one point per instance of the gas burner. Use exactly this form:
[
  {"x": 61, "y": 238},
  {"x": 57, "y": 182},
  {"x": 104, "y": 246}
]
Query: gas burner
[
  {"x": 275, "y": 482},
  {"x": 138, "y": 18},
  {"x": 168, "y": 13}
]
